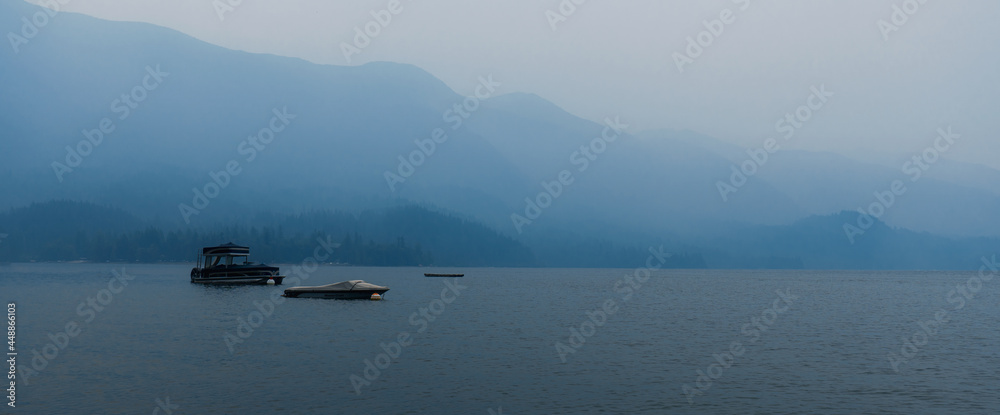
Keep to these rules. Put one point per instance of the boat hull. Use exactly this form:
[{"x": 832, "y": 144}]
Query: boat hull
[
  {"x": 238, "y": 274},
  {"x": 334, "y": 295},
  {"x": 246, "y": 280}
]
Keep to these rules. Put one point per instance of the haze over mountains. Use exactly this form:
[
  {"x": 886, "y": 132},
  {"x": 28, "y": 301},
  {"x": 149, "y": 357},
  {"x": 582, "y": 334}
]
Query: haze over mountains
[{"x": 299, "y": 137}]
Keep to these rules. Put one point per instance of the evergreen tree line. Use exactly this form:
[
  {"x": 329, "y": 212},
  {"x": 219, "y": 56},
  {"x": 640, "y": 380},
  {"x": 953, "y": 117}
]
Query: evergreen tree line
[
  {"x": 401, "y": 236},
  {"x": 268, "y": 244},
  {"x": 405, "y": 236}
]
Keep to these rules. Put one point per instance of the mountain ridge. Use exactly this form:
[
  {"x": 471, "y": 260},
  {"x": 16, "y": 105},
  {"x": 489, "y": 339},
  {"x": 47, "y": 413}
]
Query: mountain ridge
[{"x": 348, "y": 127}]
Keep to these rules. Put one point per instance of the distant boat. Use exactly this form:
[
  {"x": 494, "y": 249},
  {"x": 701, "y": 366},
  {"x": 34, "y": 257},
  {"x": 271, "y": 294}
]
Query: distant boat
[
  {"x": 444, "y": 275},
  {"x": 229, "y": 264},
  {"x": 346, "y": 290}
]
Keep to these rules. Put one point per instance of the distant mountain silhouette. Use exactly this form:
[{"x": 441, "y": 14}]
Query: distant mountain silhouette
[{"x": 345, "y": 128}]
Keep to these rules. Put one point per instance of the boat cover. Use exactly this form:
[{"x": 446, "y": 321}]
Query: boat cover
[{"x": 353, "y": 285}]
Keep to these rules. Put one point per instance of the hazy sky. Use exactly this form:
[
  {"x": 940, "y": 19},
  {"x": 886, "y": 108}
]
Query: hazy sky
[{"x": 939, "y": 68}]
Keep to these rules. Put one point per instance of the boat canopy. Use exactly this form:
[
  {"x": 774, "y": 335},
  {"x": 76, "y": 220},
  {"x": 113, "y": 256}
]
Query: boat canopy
[{"x": 227, "y": 249}]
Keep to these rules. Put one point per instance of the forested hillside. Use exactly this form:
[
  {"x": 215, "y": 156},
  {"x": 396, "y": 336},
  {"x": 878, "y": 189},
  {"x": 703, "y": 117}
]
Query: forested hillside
[{"x": 407, "y": 236}]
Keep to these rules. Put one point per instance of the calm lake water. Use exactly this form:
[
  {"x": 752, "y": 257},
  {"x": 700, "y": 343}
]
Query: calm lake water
[{"x": 821, "y": 346}]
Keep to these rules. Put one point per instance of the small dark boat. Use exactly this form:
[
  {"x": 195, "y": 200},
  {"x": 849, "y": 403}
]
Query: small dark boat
[
  {"x": 347, "y": 290},
  {"x": 228, "y": 264},
  {"x": 444, "y": 275}
]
